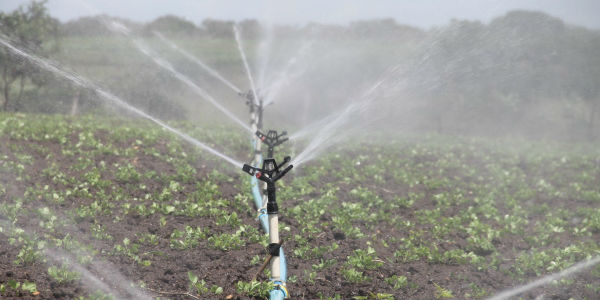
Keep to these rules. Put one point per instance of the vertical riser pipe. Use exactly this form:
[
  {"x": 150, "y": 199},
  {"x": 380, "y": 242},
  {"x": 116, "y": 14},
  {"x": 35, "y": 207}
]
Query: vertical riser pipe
[{"x": 274, "y": 239}]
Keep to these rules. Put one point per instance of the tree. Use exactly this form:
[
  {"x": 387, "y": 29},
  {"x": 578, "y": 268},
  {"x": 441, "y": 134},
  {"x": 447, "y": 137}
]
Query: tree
[
  {"x": 584, "y": 79},
  {"x": 218, "y": 29},
  {"x": 28, "y": 28},
  {"x": 172, "y": 25}
]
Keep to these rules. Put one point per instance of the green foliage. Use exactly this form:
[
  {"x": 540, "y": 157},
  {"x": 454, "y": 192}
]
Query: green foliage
[
  {"x": 62, "y": 274},
  {"x": 188, "y": 238},
  {"x": 97, "y": 295},
  {"x": 29, "y": 27},
  {"x": 364, "y": 259},
  {"x": 442, "y": 293},
  {"x": 200, "y": 286},
  {"x": 477, "y": 292},
  {"x": 226, "y": 241},
  {"x": 132, "y": 251},
  {"x": 454, "y": 202},
  {"x": 254, "y": 288},
  {"x": 30, "y": 252},
  {"x": 354, "y": 276},
  {"x": 397, "y": 282},
  {"x": 375, "y": 296},
  {"x": 15, "y": 285}
]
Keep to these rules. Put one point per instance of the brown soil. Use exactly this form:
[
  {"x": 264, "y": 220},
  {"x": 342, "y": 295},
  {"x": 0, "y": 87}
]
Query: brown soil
[{"x": 168, "y": 271}]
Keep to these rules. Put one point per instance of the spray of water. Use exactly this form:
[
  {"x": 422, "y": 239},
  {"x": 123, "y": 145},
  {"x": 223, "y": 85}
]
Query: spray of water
[
  {"x": 264, "y": 52},
  {"x": 88, "y": 279},
  {"x": 338, "y": 119},
  {"x": 284, "y": 76},
  {"x": 106, "y": 271},
  {"x": 576, "y": 268},
  {"x": 326, "y": 133},
  {"x": 145, "y": 49},
  {"x": 85, "y": 83},
  {"x": 196, "y": 60},
  {"x": 240, "y": 46},
  {"x": 328, "y": 128}
]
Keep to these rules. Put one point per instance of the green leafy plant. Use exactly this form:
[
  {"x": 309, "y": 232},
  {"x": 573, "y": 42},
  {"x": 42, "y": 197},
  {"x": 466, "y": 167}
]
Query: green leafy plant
[
  {"x": 397, "y": 282},
  {"x": 375, "y": 296},
  {"x": 354, "y": 276},
  {"x": 15, "y": 285},
  {"x": 254, "y": 288},
  {"x": 364, "y": 259},
  {"x": 62, "y": 274},
  {"x": 442, "y": 293}
]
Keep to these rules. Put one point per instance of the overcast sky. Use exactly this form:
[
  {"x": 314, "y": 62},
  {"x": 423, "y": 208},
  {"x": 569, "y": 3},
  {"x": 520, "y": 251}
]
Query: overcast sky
[{"x": 421, "y": 13}]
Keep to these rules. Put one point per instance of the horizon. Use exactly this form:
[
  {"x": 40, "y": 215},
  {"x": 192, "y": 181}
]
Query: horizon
[{"x": 423, "y": 14}]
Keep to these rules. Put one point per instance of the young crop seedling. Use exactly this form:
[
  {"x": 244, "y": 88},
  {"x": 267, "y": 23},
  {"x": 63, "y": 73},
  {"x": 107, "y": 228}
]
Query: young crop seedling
[
  {"x": 364, "y": 259},
  {"x": 16, "y": 286},
  {"x": 200, "y": 287},
  {"x": 62, "y": 274},
  {"x": 397, "y": 282},
  {"x": 254, "y": 288}
]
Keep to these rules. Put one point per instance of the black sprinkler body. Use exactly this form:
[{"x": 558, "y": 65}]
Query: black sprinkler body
[
  {"x": 254, "y": 106},
  {"x": 269, "y": 173},
  {"x": 272, "y": 140}
]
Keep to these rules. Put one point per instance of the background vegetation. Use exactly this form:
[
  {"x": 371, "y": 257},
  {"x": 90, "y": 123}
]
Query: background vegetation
[{"x": 524, "y": 73}]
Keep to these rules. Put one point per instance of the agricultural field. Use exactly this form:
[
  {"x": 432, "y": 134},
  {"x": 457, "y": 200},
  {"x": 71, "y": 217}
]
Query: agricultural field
[{"x": 95, "y": 201}]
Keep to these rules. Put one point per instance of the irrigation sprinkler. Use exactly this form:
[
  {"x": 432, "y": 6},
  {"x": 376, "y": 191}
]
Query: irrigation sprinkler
[
  {"x": 272, "y": 139},
  {"x": 255, "y": 106},
  {"x": 270, "y": 173}
]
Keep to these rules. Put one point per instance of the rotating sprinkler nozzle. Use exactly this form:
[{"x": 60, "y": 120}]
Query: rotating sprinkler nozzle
[
  {"x": 272, "y": 139},
  {"x": 255, "y": 106},
  {"x": 270, "y": 173}
]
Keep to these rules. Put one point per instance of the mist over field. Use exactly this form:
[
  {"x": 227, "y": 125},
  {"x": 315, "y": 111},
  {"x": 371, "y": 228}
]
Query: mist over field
[{"x": 452, "y": 153}]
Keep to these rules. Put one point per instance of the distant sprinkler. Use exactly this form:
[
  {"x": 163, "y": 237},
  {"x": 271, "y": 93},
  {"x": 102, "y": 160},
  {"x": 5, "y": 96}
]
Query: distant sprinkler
[
  {"x": 272, "y": 140},
  {"x": 255, "y": 106}
]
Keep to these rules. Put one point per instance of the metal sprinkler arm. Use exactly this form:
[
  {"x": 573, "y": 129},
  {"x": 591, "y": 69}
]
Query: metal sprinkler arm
[
  {"x": 254, "y": 106},
  {"x": 269, "y": 173},
  {"x": 272, "y": 139}
]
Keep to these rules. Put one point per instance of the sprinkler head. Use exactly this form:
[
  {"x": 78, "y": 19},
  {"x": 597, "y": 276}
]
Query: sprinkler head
[
  {"x": 250, "y": 101},
  {"x": 254, "y": 106},
  {"x": 272, "y": 139},
  {"x": 270, "y": 171},
  {"x": 249, "y": 96}
]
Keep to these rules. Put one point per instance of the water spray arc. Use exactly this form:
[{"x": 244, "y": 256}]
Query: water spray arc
[
  {"x": 85, "y": 83},
  {"x": 146, "y": 50},
  {"x": 270, "y": 173},
  {"x": 576, "y": 268},
  {"x": 196, "y": 60},
  {"x": 325, "y": 133},
  {"x": 238, "y": 40}
]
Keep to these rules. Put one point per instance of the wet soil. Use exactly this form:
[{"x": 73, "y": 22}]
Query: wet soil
[{"x": 169, "y": 267}]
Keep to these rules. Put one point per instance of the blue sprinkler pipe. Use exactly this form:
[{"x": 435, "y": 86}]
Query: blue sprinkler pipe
[
  {"x": 262, "y": 212},
  {"x": 256, "y": 111},
  {"x": 280, "y": 291},
  {"x": 258, "y": 202}
]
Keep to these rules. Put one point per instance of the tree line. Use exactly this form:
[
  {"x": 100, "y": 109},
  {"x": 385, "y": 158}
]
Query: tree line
[{"x": 521, "y": 71}]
